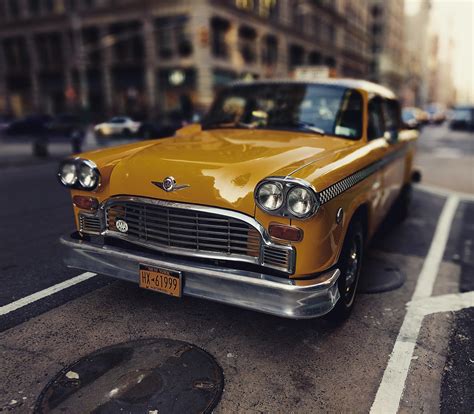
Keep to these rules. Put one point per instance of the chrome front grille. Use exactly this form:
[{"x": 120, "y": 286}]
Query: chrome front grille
[
  {"x": 90, "y": 224},
  {"x": 193, "y": 230},
  {"x": 184, "y": 229}
]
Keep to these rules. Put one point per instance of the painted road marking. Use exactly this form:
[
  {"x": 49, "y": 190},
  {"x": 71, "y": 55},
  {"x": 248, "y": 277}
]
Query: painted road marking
[
  {"x": 387, "y": 399},
  {"x": 44, "y": 293},
  {"x": 427, "y": 277},
  {"x": 444, "y": 192}
]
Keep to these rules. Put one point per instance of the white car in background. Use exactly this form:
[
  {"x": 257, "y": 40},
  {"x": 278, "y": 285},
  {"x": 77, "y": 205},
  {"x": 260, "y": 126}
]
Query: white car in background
[{"x": 118, "y": 125}]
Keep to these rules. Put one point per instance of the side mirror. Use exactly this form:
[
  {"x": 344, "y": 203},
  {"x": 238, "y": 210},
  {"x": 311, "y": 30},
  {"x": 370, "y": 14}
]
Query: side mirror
[{"x": 391, "y": 136}]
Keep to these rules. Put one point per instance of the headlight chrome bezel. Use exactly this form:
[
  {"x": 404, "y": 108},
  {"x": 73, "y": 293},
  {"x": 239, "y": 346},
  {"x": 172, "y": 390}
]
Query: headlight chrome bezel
[
  {"x": 288, "y": 184},
  {"x": 78, "y": 163}
]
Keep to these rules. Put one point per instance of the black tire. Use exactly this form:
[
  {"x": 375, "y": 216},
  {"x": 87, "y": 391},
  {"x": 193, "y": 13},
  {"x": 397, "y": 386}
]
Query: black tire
[
  {"x": 350, "y": 264},
  {"x": 126, "y": 132},
  {"x": 402, "y": 205}
]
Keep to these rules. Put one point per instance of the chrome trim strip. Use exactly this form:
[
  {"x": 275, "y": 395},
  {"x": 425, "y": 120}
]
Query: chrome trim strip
[
  {"x": 300, "y": 168},
  {"x": 251, "y": 290},
  {"x": 266, "y": 240}
]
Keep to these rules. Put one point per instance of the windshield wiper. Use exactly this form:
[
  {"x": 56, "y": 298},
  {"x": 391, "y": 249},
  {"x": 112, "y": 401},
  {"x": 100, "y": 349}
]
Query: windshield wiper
[{"x": 308, "y": 126}]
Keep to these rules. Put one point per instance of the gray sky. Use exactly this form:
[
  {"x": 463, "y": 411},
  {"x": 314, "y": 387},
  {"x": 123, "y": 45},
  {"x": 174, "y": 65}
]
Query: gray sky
[{"x": 454, "y": 19}]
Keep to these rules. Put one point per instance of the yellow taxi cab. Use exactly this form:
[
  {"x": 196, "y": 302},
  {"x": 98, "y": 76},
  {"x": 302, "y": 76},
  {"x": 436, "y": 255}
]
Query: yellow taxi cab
[{"x": 268, "y": 204}]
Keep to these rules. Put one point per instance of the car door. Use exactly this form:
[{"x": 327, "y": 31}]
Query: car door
[
  {"x": 379, "y": 146},
  {"x": 394, "y": 168}
]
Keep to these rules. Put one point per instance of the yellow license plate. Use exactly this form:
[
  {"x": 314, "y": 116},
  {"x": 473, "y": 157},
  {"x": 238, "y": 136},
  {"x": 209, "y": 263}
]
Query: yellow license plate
[{"x": 161, "y": 280}]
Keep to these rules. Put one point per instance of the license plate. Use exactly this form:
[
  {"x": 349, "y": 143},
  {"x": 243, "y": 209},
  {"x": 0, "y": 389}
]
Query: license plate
[{"x": 161, "y": 280}]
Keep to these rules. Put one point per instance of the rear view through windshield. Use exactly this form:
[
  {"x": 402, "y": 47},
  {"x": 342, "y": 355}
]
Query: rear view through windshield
[{"x": 319, "y": 109}]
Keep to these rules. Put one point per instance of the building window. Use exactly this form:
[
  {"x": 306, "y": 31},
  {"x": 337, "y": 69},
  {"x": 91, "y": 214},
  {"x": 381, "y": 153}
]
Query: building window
[
  {"x": 268, "y": 8},
  {"x": 331, "y": 62},
  {"x": 270, "y": 50},
  {"x": 219, "y": 29},
  {"x": 173, "y": 37},
  {"x": 296, "y": 56},
  {"x": 48, "y": 6},
  {"x": 128, "y": 39},
  {"x": 16, "y": 53},
  {"x": 314, "y": 58},
  {"x": 248, "y": 5},
  {"x": 91, "y": 41},
  {"x": 34, "y": 7},
  {"x": 299, "y": 18},
  {"x": 49, "y": 50},
  {"x": 377, "y": 11},
  {"x": 264, "y": 8},
  {"x": 247, "y": 43},
  {"x": 14, "y": 7}
]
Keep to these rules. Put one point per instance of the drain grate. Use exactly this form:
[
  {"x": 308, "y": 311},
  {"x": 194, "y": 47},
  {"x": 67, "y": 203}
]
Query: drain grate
[
  {"x": 144, "y": 376},
  {"x": 380, "y": 274}
]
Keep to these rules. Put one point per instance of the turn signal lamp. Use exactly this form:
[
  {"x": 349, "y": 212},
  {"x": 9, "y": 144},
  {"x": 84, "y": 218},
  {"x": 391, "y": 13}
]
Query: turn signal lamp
[
  {"x": 283, "y": 232},
  {"x": 85, "y": 202}
]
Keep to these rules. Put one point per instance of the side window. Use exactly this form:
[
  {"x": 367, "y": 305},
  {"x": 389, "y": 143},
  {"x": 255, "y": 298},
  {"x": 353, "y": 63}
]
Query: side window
[
  {"x": 391, "y": 114},
  {"x": 376, "y": 126}
]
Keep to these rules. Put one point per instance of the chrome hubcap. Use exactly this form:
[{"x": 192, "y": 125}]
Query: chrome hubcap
[{"x": 352, "y": 268}]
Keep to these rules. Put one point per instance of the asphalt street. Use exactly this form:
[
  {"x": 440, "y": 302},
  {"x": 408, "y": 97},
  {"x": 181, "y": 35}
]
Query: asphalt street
[{"x": 269, "y": 364}]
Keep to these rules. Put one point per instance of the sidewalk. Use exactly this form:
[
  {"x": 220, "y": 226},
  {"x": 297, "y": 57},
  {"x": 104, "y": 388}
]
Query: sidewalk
[{"x": 16, "y": 152}]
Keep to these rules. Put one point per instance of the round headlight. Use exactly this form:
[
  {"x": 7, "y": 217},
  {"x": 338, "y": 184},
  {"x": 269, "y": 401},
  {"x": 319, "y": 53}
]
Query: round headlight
[
  {"x": 88, "y": 176},
  {"x": 270, "y": 196},
  {"x": 68, "y": 174},
  {"x": 301, "y": 201}
]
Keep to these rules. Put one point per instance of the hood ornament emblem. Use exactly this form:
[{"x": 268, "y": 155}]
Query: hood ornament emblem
[{"x": 169, "y": 184}]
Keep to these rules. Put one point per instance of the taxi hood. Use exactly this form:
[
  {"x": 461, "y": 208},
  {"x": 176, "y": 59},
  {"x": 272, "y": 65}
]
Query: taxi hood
[{"x": 220, "y": 167}]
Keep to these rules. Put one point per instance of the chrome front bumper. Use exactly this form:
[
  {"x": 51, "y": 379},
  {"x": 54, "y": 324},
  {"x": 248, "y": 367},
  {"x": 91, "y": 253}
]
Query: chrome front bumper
[{"x": 251, "y": 290}]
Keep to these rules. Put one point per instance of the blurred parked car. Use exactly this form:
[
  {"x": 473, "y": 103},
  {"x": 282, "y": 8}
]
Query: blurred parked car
[
  {"x": 162, "y": 127},
  {"x": 410, "y": 119},
  {"x": 436, "y": 113},
  {"x": 462, "y": 118},
  {"x": 32, "y": 125},
  {"x": 118, "y": 125},
  {"x": 65, "y": 125},
  {"x": 5, "y": 121},
  {"x": 416, "y": 117}
]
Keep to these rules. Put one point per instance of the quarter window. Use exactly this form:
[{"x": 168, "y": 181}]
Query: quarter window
[
  {"x": 391, "y": 114},
  {"x": 376, "y": 126}
]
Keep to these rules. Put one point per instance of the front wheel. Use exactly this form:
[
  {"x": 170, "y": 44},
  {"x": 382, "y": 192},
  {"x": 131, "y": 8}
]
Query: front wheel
[
  {"x": 350, "y": 263},
  {"x": 402, "y": 205}
]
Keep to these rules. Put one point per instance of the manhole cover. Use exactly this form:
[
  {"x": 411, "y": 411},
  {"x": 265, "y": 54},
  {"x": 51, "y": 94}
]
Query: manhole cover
[
  {"x": 380, "y": 274},
  {"x": 145, "y": 376}
]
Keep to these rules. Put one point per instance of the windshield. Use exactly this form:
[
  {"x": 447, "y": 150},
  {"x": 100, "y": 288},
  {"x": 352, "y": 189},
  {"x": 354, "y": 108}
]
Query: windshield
[
  {"x": 320, "y": 109},
  {"x": 117, "y": 120}
]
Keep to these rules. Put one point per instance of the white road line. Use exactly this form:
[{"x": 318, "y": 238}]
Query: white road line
[
  {"x": 44, "y": 293},
  {"x": 427, "y": 277},
  {"x": 443, "y": 192},
  {"x": 391, "y": 388},
  {"x": 445, "y": 303}
]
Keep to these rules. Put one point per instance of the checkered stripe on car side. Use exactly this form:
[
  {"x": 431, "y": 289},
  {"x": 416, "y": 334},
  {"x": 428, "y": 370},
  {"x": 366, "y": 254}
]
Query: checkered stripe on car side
[{"x": 338, "y": 188}]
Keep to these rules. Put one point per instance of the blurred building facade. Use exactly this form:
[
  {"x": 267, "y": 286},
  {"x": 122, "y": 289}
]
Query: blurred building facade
[
  {"x": 146, "y": 56},
  {"x": 387, "y": 36},
  {"x": 418, "y": 56}
]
